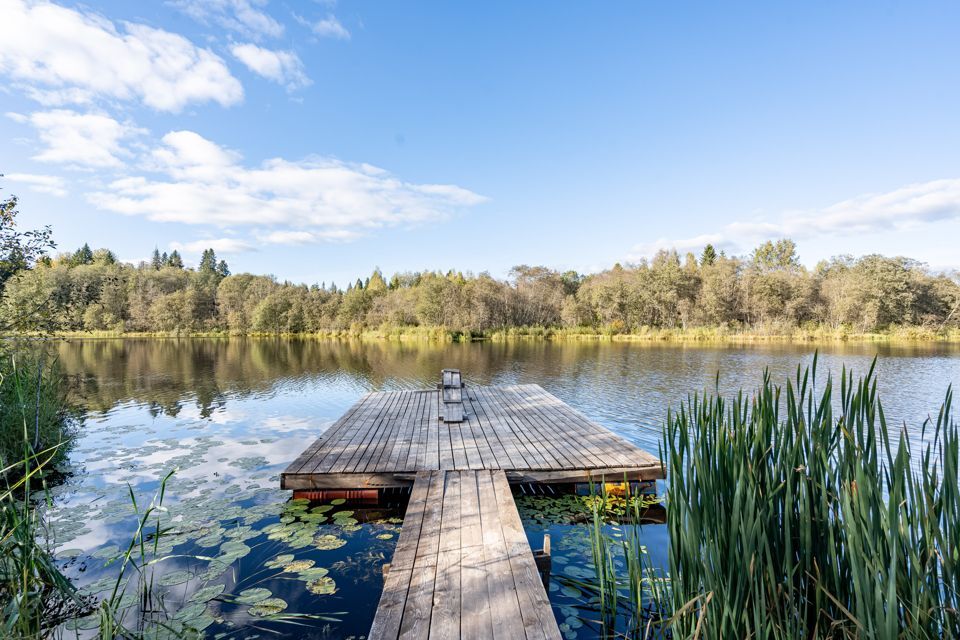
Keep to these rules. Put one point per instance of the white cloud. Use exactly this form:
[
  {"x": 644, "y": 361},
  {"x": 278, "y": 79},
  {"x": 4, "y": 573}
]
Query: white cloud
[
  {"x": 195, "y": 181},
  {"x": 328, "y": 27},
  {"x": 307, "y": 237},
  {"x": 904, "y": 208},
  {"x": 64, "y": 56},
  {"x": 81, "y": 139},
  {"x": 283, "y": 67},
  {"x": 241, "y": 16},
  {"x": 52, "y": 185},
  {"x": 219, "y": 245}
]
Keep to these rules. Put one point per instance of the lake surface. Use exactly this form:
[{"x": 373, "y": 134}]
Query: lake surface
[{"x": 229, "y": 415}]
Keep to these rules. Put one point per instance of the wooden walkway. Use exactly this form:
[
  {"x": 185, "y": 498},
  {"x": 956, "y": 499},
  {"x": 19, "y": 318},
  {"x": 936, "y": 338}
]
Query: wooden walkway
[
  {"x": 387, "y": 437},
  {"x": 462, "y": 567}
]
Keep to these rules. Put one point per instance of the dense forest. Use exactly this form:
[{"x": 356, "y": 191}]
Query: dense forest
[{"x": 767, "y": 291}]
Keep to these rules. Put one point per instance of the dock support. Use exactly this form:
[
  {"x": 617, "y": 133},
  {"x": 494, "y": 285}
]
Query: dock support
[{"x": 544, "y": 562}]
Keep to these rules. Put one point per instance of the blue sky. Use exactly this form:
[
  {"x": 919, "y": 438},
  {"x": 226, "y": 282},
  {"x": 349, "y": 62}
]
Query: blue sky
[{"x": 315, "y": 140}]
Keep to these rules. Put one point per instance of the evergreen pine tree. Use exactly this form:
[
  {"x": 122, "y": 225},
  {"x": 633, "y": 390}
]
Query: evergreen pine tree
[
  {"x": 708, "y": 256},
  {"x": 208, "y": 261},
  {"x": 83, "y": 255}
]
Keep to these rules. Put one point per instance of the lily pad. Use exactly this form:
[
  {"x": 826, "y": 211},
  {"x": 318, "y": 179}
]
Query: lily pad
[
  {"x": 253, "y": 596},
  {"x": 279, "y": 561},
  {"x": 199, "y": 623},
  {"x": 338, "y": 502},
  {"x": 268, "y": 607},
  {"x": 571, "y": 592},
  {"x": 105, "y": 553},
  {"x": 85, "y": 623},
  {"x": 210, "y": 540},
  {"x": 322, "y": 586},
  {"x": 385, "y": 536},
  {"x": 328, "y": 542},
  {"x": 234, "y": 549},
  {"x": 313, "y": 573},
  {"x": 191, "y": 611},
  {"x": 298, "y": 565},
  {"x": 176, "y": 577},
  {"x": 207, "y": 593}
]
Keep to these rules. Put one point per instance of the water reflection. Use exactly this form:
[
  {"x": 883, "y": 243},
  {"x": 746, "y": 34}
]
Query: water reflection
[{"x": 627, "y": 387}]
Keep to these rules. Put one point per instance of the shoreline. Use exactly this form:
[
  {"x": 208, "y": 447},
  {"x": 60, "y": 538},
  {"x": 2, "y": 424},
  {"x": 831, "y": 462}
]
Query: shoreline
[{"x": 902, "y": 335}]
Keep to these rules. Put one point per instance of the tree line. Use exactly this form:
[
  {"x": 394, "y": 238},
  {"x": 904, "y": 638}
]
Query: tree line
[{"x": 90, "y": 290}]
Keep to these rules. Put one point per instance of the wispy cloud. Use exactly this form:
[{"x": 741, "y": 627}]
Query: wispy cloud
[
  {"x": 52, "y": 185},
  {"x": 293, "y": 236},
  {"x": 219, "y": 245},
  {"x": 241, "y": 16},
  {"x": 329, "y": 27},
  {"x": 62, "y": 56},
  {"x": 282, "y": 67},
  {"x": 904, "y": 208},
  {"x": 195, "y": 181}
]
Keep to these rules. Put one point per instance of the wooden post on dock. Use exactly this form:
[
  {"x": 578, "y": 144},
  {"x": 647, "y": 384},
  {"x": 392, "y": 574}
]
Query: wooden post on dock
[{"x": 544, "y": 562}]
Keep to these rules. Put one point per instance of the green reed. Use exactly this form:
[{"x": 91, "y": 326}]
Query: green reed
[
  {"x": 35, "y": 595},
  {"x": 628, "y": 595},
  {"x": 788, "y": 519}
]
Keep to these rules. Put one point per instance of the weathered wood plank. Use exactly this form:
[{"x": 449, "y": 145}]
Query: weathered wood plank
[
  {"x": 475, "y": 620},
  {"x": 538, "y": 619},
  {"x": 445, "y": 617},
  {"x": 501, "y": 589},
  {"x": 418, "y": 607},
  {"x": 386, "y": 622}
]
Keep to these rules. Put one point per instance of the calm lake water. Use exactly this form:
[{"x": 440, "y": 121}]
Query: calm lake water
[{"x": 229, "y": 415}]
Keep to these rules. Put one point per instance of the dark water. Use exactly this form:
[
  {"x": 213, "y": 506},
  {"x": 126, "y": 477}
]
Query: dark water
[{"x": 230, "y": 414}]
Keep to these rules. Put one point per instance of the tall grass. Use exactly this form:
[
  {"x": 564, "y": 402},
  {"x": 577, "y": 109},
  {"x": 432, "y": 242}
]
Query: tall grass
[
  {"x": 35, "y": 418},
  {"x": 790, "y": 520},
  {"x": 35, "y": 595}
]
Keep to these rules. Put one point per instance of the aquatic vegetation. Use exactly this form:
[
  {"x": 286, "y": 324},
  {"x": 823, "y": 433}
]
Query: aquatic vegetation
[
  {"x": 268, "y": 607},
  {"x": 328, "y": 542},
  {"x": 36, "y": 420},
  {"x": 802, "y": 516},
  {"x": 322, "y": 586},
  {"x": 34, "y": 593}
]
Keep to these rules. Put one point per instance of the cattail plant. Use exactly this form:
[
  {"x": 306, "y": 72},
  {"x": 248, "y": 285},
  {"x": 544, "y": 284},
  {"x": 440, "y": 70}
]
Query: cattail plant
[{"x": 796, "y": 516}]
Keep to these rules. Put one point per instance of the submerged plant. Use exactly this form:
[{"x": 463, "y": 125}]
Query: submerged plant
[{"x": 790, "y": 520}]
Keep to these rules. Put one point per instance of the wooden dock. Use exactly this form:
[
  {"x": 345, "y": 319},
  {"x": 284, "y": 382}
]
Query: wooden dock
[
  {"x": 387, "y": 437},
  {"x": 463, "y": 566}
]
